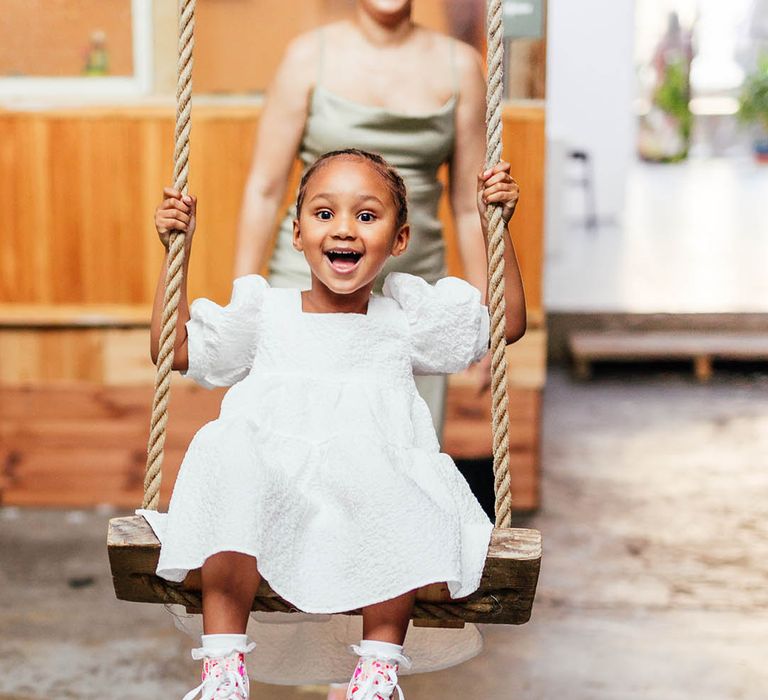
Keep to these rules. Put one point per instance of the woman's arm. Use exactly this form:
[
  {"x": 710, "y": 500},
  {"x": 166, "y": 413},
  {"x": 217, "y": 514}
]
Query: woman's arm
[
  {"x": 175, "y": 213},
  {"x": 280, "y": 129},
  {"x": 468, "y": 158}
]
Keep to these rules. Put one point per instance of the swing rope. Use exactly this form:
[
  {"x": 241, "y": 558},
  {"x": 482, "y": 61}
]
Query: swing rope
[
  {"x": 159, "y": 421},
  {"x": 496, "y": 229}
]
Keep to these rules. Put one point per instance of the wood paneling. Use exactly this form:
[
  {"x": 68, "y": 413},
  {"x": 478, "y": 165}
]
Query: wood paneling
[
  {"x": 101, "y": 351},
  {"x": 77, "y": 194},
  {"x": 84, "y": 445},
  {"x": 78, "y": 189},
  {"x": 467, "y": 435}
]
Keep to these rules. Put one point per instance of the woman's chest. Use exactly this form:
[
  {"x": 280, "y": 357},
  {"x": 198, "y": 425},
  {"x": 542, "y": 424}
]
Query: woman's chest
[{"x": 410, "y": 85}]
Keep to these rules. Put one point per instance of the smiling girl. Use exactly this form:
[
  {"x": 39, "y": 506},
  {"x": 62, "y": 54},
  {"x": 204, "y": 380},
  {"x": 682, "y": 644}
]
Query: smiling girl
[{"x": 323, "y": 473}]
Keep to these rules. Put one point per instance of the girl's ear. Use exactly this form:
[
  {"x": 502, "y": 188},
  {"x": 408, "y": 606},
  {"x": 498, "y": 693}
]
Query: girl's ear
[
  {"x": 297, "y": 242},
  {"x": 402, "y": 237}
]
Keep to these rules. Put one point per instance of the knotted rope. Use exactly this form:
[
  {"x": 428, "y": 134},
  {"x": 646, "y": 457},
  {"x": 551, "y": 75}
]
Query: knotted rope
[
  {"x": 159, "y": 421},
  {"x": 496, "y": 228}
]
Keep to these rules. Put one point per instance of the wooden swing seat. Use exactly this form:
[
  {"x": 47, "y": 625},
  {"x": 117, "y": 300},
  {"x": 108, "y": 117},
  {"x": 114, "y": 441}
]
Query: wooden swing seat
[{"x": 505, "y": 595}]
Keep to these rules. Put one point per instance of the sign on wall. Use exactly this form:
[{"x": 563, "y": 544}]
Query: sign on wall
[{"x": 523, "y": 18}]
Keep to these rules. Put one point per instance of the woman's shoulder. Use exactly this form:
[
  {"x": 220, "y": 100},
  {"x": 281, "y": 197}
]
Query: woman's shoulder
[
  {"x": 466, "y": 55},
  {"x": 469, "y": 62},
  {"x": 302, "y": 50},
  {"x": 306, "y": 46}
]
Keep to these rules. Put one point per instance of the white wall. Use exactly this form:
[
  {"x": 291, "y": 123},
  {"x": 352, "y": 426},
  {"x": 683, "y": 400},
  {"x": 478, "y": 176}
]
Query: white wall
[{"x": 590, "y": 90}]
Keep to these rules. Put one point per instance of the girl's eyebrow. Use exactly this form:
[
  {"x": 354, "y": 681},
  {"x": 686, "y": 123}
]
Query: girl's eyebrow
[
  {"x": 330, "y": 197},
  {"x": 365, "y": 197}
]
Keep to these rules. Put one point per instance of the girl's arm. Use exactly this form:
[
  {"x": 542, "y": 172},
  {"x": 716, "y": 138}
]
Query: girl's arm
[
  {"x": 496, "y": 185},
  {"x": 175, "y": 213},
  {"x": 468, "y": 156},
  {"x": 280, "y": 129}
]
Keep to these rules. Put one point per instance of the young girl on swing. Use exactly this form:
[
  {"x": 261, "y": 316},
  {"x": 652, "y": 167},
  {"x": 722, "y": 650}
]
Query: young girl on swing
[{"x": 323, "y": 473}]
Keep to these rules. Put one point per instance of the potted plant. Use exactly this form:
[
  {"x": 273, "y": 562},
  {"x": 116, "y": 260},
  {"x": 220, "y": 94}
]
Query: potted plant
[{"x": 753, "y": 106}]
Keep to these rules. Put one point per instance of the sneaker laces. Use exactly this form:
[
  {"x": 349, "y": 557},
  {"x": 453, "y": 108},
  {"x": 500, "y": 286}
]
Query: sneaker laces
[
  {"x": 381, "y": 681},
  {"x": 228, "y": 684}
]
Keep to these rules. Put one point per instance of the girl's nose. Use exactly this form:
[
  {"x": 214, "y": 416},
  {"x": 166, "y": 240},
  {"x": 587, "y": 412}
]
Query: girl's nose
[{"x": 344, "y": 228}]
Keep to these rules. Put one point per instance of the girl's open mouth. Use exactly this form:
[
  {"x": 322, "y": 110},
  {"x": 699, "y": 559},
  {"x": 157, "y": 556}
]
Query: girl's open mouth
[{"x": 343, "y": 260}]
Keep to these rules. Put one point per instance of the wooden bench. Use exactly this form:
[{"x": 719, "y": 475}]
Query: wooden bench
[{"x": 700, "y": 347}]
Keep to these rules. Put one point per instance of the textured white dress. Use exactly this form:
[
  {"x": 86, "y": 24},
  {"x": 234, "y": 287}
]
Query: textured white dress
[{"x": 325, "y": 466}]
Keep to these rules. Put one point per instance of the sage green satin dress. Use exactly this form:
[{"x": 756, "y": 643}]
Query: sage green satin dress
[{"x": 417, "y": 145}]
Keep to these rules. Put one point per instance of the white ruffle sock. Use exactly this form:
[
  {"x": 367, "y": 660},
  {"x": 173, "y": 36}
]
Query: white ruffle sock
[
  {"x": 381, "y": 650},
  {"x": 225, "y": 643}
]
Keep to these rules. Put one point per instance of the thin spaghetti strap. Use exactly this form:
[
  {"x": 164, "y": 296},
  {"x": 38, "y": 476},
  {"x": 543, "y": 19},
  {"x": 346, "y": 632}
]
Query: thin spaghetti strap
[
  {"x": 320, "y": 54},
  {"x": 454, "y": 67}
]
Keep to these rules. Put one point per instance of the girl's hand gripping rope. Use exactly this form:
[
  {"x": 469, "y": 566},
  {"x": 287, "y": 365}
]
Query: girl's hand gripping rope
[
  {"x": 176, "y": 212},
  {"x": 497, "y": 186}
]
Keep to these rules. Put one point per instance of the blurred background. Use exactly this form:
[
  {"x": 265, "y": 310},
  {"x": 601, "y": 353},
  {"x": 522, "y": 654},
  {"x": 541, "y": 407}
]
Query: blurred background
[{"x": 638, "y": 130}]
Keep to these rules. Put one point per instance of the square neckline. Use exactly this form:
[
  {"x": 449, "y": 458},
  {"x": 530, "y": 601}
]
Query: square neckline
[
  {"x": 446, "y": 108},
  {"x": 299, "y": 306}
]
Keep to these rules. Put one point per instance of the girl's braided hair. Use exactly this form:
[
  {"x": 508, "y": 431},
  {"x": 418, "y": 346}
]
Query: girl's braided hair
[{"x": 391, "y": 177}]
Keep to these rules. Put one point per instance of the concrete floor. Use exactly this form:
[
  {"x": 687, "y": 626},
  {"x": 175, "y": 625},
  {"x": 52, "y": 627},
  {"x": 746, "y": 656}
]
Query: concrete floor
[{"x": 654, "y": 583}]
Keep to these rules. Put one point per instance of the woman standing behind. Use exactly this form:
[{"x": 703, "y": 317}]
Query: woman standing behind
[{"x": 382, "y": 83}]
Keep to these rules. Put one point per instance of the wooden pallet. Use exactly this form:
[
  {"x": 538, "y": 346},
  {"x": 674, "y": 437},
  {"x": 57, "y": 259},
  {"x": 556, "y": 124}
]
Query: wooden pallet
[{"x": 700, "y": 347}]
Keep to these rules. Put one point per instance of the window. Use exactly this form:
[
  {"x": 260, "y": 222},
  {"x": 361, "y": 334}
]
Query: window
[{"x": 76, "y": 48}]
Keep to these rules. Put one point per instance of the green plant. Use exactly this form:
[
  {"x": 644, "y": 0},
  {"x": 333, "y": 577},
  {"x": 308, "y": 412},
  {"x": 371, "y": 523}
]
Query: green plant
[
  {"x": 673, "y": 95},
  {"x": 753, "y": 104}
]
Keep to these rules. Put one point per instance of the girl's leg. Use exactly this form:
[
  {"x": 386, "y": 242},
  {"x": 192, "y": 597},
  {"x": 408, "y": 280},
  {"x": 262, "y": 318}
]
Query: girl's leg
[
  {"x": 230, "y": 580},
  {"x": 383, "y": 622},
  {"x": 388, "y": 621},
  {"x": 229, "y": 583},
  {"x": 384, "y": 628}
]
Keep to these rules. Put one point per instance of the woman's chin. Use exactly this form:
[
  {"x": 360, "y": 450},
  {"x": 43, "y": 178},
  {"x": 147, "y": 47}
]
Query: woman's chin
[{"x": 384, "y": 10}]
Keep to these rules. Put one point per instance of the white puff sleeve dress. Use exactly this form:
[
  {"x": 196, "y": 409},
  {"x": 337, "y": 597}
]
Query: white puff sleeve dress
[{"x": 325, "y": 466}]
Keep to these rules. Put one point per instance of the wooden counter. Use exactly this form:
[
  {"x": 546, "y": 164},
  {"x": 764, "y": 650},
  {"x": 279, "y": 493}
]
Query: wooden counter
[{"x": 78, "y": 188}]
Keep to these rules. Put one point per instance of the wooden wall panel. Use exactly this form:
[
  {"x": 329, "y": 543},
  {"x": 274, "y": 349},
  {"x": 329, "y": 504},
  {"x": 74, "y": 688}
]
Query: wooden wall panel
[
  {"x": 85, "y": 445},
  {"x": 78, "y": 190},
  {"x": 525, "y": 147}
]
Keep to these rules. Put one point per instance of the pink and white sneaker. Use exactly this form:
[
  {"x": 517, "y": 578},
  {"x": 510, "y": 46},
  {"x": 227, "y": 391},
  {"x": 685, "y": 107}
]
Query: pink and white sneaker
[
  {"x": 375, "y": 678},
  {"x": 224, "y": 676}
]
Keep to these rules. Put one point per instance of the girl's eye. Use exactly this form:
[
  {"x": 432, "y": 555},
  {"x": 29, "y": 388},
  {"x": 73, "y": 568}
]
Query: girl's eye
[
  {"x": 324, "y": 215},
  {"x": 366, "y": 217}
]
